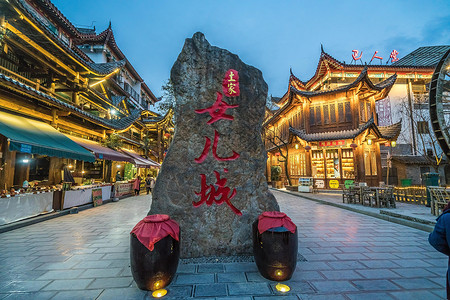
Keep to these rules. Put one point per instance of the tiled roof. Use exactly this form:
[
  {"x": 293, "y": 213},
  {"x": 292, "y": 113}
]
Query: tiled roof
[
  {"x": 423, "y": 57},
  {"x": 90, "y": 31},
  {"x": 50, "y": 9},
  {"x": 391, "y": 131},
  {"x": 118, "y": 124},
  {"x": 117, "y": 99},
  {"x": 107, "y": 68},
  {"x": 107, "y": 37},
  {"x": 332, "y": 135},
  {"x": 82, "y": 58},
  {"x": 363, "y": 77},
  {"x": 410, "y": 159}
]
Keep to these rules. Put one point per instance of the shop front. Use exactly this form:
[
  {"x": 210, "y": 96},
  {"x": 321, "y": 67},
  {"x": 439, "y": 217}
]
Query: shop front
[
  {"x": 332, "y": 163},
  {"x": 31, "y": 155}
]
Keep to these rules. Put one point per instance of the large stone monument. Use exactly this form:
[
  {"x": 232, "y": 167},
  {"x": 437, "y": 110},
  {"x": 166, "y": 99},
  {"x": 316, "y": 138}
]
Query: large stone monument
[{"x": 212, "y": 179}]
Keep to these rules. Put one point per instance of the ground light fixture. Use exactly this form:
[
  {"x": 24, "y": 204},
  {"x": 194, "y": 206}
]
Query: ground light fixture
[
  {"x": 159, "y": 293},
  {"x": 26, "y": 160},
  {"x": 282, "y": 288}
]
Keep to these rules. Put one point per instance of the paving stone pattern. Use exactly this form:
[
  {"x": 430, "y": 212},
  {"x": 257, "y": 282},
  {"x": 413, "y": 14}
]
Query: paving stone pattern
[{"x": 349, "y": 256}]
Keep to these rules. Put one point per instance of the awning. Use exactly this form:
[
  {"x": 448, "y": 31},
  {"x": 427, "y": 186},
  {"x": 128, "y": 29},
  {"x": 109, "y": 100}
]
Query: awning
[
  {"x": 101, "y": 152},
  {"x": 34, "y": 137},
  {"x": 139, "y": 161}
]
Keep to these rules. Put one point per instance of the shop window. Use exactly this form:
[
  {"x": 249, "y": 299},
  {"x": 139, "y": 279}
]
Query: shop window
[
  {"x": 422, "y": 127},
  {"x": 333, "y": 164},
  {"x": 297, "y": 164},
  {"x": 311, "y": 116},
  {"x": 317, "y": 164},
  {"x": 348, "y": 167},
  {"x": 326, "y": 117},
  {"x": 348, "y": 112},
  {"x": 318, "y": 115},
  {"x": 341, "y": 112},
  {"x": 362, "y": 111},
  {"x": 368, "y": 110},
  {"x": 370, "y": 162}
]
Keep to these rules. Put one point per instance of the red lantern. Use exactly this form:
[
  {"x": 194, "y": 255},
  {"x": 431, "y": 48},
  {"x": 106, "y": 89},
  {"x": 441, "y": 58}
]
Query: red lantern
[
  {"x": 307, "y": 147},
  {"x": 353, "y": 145},
  {"x": 166, "y": 135},
  {"x": 277, "y": 154}
]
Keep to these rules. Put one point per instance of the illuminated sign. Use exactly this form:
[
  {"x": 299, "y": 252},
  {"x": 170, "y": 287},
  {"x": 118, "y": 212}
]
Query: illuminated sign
[
  {"x": 392, "y": 56},
  {"x": 332, "y": 143}
]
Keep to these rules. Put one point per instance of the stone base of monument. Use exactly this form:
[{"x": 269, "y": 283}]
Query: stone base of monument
[
  {"x": 275, "y": 250},
  {"x": 154, "y": 259}
]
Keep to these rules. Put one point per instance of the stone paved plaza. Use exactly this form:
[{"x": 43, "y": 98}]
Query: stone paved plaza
[{"x": 349, "y": 256}]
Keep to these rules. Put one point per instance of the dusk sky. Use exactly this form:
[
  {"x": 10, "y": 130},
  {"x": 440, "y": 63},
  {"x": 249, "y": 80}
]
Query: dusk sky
[{"x": 272, "y": 36}]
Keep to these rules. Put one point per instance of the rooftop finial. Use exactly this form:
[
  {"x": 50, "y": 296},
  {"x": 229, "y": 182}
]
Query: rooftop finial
[
  {"x": 109, "y": 26},
  {"x": 321, "y": 48}
]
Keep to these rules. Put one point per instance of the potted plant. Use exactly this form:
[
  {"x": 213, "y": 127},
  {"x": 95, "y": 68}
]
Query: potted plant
[{"x": 275, "y": 176}]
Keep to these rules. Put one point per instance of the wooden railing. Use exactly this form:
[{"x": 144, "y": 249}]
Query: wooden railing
[
  {"x": 34, "y": 84},
  {"x": 413, "y": 194}
]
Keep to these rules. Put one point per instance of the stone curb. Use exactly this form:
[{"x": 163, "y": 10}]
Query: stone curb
[
  {"x": 380, "y": 215},
  {"x": 49, "y": 216}
]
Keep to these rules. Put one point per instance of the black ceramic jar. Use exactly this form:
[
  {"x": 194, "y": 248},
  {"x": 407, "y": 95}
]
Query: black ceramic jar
[
  {"x": 275, "y": 252},
  {"x": 154, "y": 269}
]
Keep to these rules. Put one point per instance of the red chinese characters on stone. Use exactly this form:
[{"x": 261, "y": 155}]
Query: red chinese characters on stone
[
  {"x": 230, "y": 83},
  {"x": 209, "y": 194},
  {"x": 217, "y": 193},
  {"x": 205, "y": 152},
  {"x": 217, "y": 110}
]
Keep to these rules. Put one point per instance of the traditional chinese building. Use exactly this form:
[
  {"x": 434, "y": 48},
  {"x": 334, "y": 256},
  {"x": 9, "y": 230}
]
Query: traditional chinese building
[
  {"x": 406, "y": 102},
  {"x": 78, "y": 86},
  {"x": 331, "y": 135}
]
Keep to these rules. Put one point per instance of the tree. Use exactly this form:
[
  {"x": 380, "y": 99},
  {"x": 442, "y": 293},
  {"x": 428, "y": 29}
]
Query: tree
[
  {"x": 167, "y": 101},
  {"x": 418, "y": 117},
  {"x": 113, "y": 141},
  {"x": 276, "y": 139}
]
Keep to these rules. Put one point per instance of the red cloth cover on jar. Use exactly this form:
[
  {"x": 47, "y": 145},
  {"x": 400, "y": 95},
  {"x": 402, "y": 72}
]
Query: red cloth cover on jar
[
  {"x": 273, "y": 219},
  {"x": 154, "y": 228}
]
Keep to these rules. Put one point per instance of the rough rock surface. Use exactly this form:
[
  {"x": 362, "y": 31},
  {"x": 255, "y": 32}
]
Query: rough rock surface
[{"x": 214, "y": 230}]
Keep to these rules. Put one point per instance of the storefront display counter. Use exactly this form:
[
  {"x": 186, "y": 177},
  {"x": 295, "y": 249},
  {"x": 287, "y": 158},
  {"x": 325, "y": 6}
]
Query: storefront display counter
[
  {"x": 81, "y": 195},
  {"x": 22, "y": 206}
]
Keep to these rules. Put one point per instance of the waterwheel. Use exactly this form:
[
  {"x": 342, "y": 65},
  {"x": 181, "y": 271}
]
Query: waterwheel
[{"x": 440, "y": 103}]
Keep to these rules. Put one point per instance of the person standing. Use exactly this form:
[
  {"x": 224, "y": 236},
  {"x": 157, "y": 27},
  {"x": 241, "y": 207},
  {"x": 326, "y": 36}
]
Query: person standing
[
  {"x": 148, "y": 182},
  {"x": 137, "y": 185},
  {"x": 440, "y": 238},
  {"x": 152, "y": 184}
]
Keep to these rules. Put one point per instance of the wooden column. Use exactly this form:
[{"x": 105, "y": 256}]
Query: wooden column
[
  {"x": 54, "y": 174},
  {"x": 8, "y": 162},
  {"x": 373, "y": 109},
  {"x": 308, "y": 163},
  {"x": 160, "y": 150}
]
